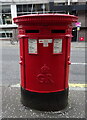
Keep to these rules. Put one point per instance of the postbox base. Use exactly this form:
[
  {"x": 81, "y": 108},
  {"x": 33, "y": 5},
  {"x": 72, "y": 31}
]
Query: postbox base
[{"x": 54, "y": 101}]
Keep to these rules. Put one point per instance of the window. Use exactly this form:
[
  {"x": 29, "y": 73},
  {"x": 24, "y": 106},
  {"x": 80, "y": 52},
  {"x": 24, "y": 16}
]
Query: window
[
  {"x": 6, "y": 34},
  {"x": 6, "y": 9},
  {"x": 6, "y": 19},
  {"x": 1, "y": 22},
  {"x": 19, "y": 8},
  {"x": 23, "y": 9},
  {"x": 39, "y": 7},
  {"x": 31, "y": 8},
  {"x": 5, "y": 16},
  {"x": 74, "y": 3},
  {"x": 59, "y": 4}
]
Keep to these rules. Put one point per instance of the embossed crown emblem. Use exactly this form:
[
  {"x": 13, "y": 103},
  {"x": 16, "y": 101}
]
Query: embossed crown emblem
[{"x": 45, "y": 76}]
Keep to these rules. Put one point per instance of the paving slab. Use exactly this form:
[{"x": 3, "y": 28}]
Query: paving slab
[{"x": 12, "y": 107}]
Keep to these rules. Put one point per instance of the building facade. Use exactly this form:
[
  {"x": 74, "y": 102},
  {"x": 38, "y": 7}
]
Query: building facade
[{"x": 13, "y": 8}]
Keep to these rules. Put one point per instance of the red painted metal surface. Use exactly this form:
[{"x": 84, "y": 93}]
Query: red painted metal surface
[{"x": 45, "y": 71}]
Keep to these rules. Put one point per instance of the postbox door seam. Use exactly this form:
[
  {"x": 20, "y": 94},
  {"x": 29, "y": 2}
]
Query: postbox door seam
[
  {"x": 66, "y": 62},
  {"x": 22, "y": 58}
]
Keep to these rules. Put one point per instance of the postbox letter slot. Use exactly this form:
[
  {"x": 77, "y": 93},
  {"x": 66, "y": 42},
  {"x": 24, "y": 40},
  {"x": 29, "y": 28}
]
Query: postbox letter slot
[
  {"x": 57, "y": 31},
  {"x": 32, "y": 31}
]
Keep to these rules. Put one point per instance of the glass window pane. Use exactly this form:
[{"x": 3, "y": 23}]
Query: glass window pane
[
  {"x": 10, "y": 34},
  {"x": 46, "y": 7},
  {"x": 19, "y": 8},
  {"x": 3, "y": 35},
  {"x": 6, "y": 18},
  {"x": 0, "y": 8},
  {"x": 6, "y": 9},
  {"x": 0, "y": 35},
  {"x": 29, "y": 8},
  {"x": 25, "y": 8},
  {"x": 6, "y": 34},
  {"x": 1, "y": 22},
  {"x": 59, "y": 4},
  {"x": 33, "y": 8},
  {"x": 39, "y": 7}
]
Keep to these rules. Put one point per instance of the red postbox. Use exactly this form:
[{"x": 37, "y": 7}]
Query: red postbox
[{"x": 44, "y": 59}]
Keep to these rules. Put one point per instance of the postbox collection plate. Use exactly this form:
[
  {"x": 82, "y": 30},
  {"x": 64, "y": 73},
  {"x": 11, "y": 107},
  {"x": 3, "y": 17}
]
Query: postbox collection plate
[
  {"x": 32, "y": 46},
  {"x": 57, "y": 47}
]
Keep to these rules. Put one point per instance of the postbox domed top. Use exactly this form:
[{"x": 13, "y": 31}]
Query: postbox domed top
[{"x": 45, "y": 19}]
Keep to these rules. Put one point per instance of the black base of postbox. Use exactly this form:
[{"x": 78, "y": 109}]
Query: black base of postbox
[{"x": 54, "y": 101}]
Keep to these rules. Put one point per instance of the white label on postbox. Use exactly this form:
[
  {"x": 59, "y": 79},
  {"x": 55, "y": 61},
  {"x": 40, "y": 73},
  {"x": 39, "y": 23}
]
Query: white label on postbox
[
  {"x": 45, "y": 42},
  {"x": 57, "y": 46},
  {"x": 32, "y": 46}
]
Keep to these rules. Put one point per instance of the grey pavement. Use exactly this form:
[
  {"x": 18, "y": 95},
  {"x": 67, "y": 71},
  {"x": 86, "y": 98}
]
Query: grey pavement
[
  {"x": 79, "y": 44},
  {"x": 10, "y": 100},
  {"x": 12, "y": 107}
]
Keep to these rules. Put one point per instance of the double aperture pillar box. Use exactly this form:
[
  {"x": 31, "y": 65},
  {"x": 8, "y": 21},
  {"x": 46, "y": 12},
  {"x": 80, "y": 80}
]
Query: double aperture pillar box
[{"x": 44, "y": 59}]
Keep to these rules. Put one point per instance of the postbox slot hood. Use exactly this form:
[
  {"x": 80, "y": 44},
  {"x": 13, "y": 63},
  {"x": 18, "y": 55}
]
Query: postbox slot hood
[{"x": 45, "y": 19}]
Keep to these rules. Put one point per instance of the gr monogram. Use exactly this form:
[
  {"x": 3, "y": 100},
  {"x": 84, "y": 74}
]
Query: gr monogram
[{"x": 45, "y": 76}]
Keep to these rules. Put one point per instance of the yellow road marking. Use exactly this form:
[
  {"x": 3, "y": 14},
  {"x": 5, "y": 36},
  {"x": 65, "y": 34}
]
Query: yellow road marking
[
  {"x": 77, "y": 85},
  {"x": 70, "y": 85}
]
